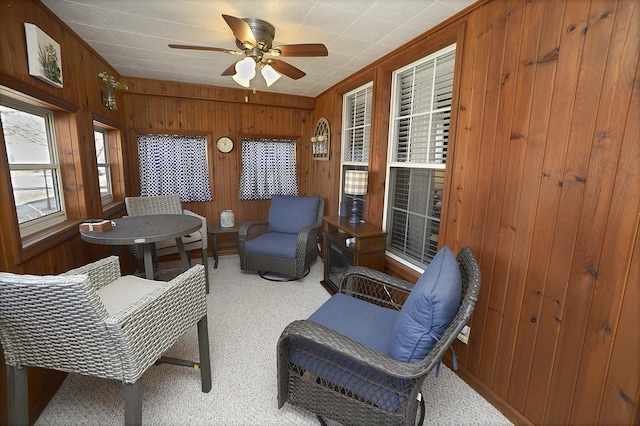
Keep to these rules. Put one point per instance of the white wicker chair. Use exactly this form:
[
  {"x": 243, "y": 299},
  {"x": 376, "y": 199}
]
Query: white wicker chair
[
  {"x": 94, "y": 322},
  {"x": 169, "y": 204}
]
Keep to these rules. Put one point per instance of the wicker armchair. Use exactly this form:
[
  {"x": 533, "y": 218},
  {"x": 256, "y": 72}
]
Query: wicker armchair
[
  {"x": 168, "y": 204},
  {"x": 94, "y": 322},
  {"x": 338, "y": 377},
  {"x": 286, "y": 243}
]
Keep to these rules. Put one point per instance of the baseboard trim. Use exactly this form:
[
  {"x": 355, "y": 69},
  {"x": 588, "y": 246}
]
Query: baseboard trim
[{"x": 494, "y": 399}]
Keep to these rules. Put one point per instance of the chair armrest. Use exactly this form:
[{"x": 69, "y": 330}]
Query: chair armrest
[
  {"x": 375, "y": 287},
  {"x": 342, "y": 345},
  {"x": 306, "y": 244},
  {"x": 250, "y": 230},
  {"x": 100, "y": 272},
  {"x": 203, "y": 228},
  {"x": 146, "y": 329}
]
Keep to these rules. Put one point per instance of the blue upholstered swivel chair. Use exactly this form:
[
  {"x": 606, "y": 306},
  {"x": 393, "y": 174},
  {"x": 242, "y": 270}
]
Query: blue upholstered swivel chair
[
  {"x": 363, "y": 356},
  {"x": 286, "y": 243}
]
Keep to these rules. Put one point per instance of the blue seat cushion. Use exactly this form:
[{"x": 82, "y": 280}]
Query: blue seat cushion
[
  {"x": 291, "y": 214},
  {"x": 429, "y": 309},
  {"x": 366, "y": 323},
  {"x": 273, "y": 244}
]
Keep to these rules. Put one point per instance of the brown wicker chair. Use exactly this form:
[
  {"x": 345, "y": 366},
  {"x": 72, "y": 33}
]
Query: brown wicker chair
[
  {"x": 286, "y": 243},
  {"x": 341, "y": 379},
  {"x": 168, "y": 204},
  {"x": 94, "y": 322}
]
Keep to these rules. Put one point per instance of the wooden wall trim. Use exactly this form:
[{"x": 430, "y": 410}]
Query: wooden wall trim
[
  {"x": 33, "y": 95},
  {"x": 169, "y": 89}
]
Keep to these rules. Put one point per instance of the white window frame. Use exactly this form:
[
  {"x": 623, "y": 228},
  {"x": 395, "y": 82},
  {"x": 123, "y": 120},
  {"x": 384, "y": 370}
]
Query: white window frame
[
  {"x": 349, "y": 125},
  {"x": 108, "y": 198},
  {"x": 392, "y": 148},
  {"x": 35, "y": 225}
]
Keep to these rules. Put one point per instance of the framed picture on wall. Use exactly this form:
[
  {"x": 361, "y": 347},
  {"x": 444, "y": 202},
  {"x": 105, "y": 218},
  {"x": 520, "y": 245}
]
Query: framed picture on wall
[{"x": 43, "y": 53}]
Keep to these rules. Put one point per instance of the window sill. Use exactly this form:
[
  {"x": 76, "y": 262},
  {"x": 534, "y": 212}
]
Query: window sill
[
  {"x": 112, "y": 209},
  {"x": 39, "y": 242}
]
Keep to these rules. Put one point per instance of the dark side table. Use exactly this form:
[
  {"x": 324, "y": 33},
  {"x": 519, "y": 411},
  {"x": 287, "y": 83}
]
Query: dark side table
[{"x": 214, "y": 229}]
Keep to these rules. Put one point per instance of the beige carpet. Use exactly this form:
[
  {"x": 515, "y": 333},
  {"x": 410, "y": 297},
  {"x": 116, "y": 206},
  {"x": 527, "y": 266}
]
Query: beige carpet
[{"x": 246, "y": 316}]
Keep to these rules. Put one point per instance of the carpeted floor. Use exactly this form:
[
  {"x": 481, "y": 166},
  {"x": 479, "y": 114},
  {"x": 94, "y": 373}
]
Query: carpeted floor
[{"x": 246, "y": 316}]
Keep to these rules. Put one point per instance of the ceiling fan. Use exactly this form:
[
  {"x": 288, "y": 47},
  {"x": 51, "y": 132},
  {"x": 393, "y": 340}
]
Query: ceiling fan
[{"x": 254, "y": 38}]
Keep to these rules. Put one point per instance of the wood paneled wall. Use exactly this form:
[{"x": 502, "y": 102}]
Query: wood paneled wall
[
  {"x": 80, "y": 99},
  {"x": 176, "y": 108},
  {"x": 544, "y": 185}
]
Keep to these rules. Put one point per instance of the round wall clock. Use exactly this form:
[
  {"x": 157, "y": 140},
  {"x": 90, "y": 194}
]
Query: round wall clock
[{"x": 224, "y": 144}]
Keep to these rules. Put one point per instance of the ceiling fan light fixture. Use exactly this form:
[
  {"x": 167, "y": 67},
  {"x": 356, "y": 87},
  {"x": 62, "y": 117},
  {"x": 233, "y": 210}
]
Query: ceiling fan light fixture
[
  {"x": 270, "y": 75},
  {"x": 245, "y": 71}
]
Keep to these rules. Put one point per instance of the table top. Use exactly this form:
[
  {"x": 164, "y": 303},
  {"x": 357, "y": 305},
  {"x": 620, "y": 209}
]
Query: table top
[
  {"x": 215, "y": 228},
  {"x": 144, "y": 229}
]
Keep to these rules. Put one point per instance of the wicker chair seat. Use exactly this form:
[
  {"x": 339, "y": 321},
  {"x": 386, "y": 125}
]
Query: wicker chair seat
[
  {"x": 193, "y": 241},
  {"x": 373, "y": 328}
]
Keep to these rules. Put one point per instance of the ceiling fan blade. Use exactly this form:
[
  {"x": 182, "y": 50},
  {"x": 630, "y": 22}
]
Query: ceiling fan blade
[
  {"x": 212, "y": 49},
  {"x": 240, "y": 29},
  {"x": 231, "y": 70},
  {"x": 286, "y": 69},
  {"x": 310, "y": 49}
]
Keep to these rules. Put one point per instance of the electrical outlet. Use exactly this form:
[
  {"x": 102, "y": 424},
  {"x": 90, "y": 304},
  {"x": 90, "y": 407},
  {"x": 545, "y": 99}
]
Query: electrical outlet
[{"x": 463, "y": 336}]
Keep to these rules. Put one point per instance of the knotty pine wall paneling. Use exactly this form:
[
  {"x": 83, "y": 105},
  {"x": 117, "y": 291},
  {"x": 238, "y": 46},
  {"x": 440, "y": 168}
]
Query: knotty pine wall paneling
[
  {"x": 79, "y": 102},
  {"x": 178, "y": 108},
  {"x": 543, "y": 183}
]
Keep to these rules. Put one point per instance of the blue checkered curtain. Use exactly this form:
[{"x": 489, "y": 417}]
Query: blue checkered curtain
[
  {"x": 173, "y": 164},
  {"x": 268, "y": 168}
]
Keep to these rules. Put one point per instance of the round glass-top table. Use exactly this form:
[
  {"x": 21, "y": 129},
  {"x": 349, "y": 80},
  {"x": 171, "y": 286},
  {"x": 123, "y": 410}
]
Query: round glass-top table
[{"x": 147, "y": 230}]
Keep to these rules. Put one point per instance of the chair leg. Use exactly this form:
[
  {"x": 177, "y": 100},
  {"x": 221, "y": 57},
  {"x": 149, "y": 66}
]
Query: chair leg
[
  {"x": 17, "y": 396},
  {"x": 133, "y": 404},
  {"x": 205, "y": 262},
  {"x": 205, "y": 360}
]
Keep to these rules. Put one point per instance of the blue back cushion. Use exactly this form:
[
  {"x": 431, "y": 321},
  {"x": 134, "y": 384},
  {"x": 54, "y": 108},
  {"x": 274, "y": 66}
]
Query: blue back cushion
[
  {"x": 291, "y": 214},
  {"x": 429, "y": 309}
]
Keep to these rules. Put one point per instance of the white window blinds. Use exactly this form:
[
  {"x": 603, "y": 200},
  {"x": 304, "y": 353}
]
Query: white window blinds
[
  {"x": 423, "y": 111},
  {"x": 357, "y": 125},
  {"x": 420, "y": 116}
]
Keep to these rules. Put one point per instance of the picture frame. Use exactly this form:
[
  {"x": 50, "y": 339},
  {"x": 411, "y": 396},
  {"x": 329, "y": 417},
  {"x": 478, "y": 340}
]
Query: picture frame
[{"x": 44, "y": 56}]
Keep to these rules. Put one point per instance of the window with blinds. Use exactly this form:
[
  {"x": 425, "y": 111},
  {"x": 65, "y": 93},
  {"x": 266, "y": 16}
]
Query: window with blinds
[
  {"x": 356, "y": 131},
  {"x": 357, "y": 125},
  {"x": 419, "y": 136}
]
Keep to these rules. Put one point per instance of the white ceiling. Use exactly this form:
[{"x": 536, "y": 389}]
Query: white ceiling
[{"x": 132, "y": 35}]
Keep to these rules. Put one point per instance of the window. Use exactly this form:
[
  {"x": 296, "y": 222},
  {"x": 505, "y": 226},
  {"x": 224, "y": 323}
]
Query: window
[
  {"x": 104, "y": 166},
  {"x": 173, "y": 164},
  {"x": 33, "y": 163},
  {"x": 419, "y": 135},
  {"x": 268, "y": 168},
  {"x": 356, "y": 132}
]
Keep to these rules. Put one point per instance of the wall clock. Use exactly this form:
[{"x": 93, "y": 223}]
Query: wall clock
[{"x": 224, "y": 144}]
